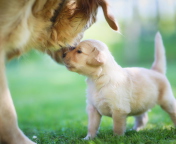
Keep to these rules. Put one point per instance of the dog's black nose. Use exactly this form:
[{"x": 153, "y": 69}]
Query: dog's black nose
[
  {"x": 64, "y": 55},
  {"x": 71, "y": 48}
]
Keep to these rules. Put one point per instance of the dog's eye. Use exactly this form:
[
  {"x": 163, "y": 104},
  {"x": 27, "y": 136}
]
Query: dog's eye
[
  {"x": 79, "y": 51},
  {"x": 64, "y": 55}
]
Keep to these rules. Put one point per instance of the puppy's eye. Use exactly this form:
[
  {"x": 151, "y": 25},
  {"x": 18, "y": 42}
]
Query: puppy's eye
[{"x": 79, "y": 51}]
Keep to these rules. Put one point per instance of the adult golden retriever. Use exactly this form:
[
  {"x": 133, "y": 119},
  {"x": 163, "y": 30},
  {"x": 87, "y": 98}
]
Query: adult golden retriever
[{"x": 46, "y": 25}]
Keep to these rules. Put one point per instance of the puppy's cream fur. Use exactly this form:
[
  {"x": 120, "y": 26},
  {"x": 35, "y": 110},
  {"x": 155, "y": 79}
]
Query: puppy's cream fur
[{"x": 120, "y": 92}]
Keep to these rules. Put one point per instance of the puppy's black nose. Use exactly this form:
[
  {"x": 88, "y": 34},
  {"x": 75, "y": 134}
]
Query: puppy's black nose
[{"x": 64, "y": 55}]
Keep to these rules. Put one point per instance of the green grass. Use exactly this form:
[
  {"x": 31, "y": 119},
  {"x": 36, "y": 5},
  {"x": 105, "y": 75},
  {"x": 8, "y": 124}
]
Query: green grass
[
  {"x": 50, "y": 100},
  {"x": 50, "y": 103}
]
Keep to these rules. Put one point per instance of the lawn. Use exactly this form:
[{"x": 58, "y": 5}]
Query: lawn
[
  {"x": 50, "y": 103},
  {"x": 50, "y": 100}
]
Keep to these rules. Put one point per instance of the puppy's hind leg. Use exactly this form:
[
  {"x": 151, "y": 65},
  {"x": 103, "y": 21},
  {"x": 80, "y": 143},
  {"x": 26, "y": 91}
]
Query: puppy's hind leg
[
  {"x": 168, "y": 103},
  {"x": 140, "y": 121},
  {"x": 9, "y": 131}
]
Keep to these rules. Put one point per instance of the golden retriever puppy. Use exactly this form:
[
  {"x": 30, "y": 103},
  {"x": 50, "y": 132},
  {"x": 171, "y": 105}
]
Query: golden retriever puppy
[
  {"x": 120, "y": 92},
  {"x": 46, "y": 25}
]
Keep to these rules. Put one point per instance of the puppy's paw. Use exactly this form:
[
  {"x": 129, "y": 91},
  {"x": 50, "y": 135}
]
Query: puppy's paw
[{"x": 88, "y": 137}]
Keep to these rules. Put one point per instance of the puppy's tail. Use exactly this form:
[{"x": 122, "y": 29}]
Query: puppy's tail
[{"x": 159, "y": 64}]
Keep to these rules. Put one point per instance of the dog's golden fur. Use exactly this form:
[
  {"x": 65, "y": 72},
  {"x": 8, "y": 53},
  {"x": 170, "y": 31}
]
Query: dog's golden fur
[
  {"x": 120, "y": 92},
  {"x": 46, "y": 25},
  {"x": 43, "y": 24}
]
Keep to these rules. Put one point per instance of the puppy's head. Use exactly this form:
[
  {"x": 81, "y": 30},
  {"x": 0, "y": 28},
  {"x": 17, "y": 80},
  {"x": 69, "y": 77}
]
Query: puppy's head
[{"x": 88, "y": 57}]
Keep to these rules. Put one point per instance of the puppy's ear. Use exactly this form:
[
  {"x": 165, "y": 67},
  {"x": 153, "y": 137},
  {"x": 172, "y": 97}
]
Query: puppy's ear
[
  {"x": 108, "y": 15},
  {"x": 96, "y": 58}
]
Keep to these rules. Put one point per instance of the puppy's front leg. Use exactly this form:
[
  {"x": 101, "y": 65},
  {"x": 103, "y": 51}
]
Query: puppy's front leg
[
  {"x": 94, "y": 119},
  {"x": 119, "y": 122},
  {"x": 140, "y": 121}
]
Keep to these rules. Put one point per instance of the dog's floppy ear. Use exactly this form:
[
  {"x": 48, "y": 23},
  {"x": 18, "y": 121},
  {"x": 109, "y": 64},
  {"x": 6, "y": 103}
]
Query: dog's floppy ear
[
  {"x": 108, "y": 16},
  {"x": 96, "y": 58}
]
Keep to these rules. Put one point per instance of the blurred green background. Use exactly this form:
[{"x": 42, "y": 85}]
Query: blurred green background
[{"x": 49, "y": 97}]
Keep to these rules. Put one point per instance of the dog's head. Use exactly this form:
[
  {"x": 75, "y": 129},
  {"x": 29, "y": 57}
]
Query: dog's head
[
  {"x": 73, "y": 19},
  {"x": 53, "y": 24},
  {"x": 87, "y": 58}
]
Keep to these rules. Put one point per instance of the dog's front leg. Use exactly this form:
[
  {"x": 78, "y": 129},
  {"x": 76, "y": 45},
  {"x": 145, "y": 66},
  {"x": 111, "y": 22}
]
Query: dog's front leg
[
  {"x": 119, "y": 123},
  {"x": 9, "y": 131},
  {"x": 94, "y": 119}
]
